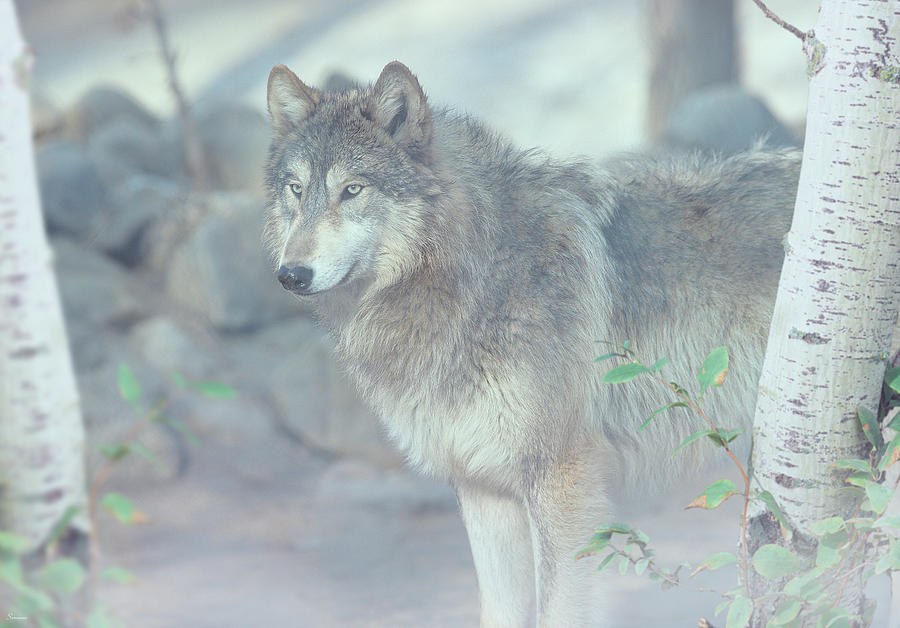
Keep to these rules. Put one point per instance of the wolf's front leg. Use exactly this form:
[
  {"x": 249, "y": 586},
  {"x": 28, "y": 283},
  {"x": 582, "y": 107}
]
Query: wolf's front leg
[
  {"x": 565, "y": 507},
  {"x": 500, "y": 539}
]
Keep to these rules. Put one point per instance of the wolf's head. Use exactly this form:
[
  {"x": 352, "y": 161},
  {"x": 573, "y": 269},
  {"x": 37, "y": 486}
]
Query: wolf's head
[{"x": 349, "y": 179}]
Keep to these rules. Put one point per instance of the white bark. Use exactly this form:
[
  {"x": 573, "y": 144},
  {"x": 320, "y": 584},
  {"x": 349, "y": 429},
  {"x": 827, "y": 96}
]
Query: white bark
[
  {"x": 41, "y": 429},
  {"x": 840, "y": 286}
]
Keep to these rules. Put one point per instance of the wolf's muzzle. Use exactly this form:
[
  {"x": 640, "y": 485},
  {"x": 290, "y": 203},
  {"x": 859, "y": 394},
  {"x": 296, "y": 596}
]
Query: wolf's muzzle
[{"x": 297, "y": 279}]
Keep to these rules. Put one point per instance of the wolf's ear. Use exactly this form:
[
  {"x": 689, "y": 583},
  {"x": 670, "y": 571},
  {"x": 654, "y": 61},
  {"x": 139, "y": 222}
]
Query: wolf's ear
[
  {"x": 400, "y": 107},
  {"x": 290, "y": 101}
]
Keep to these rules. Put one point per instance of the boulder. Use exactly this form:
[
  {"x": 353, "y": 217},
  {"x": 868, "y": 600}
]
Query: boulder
[
  {"x": 236, "y": 140},
  {"x": 726, "y": 119},
  {"x": 103, "y": 105},
  {"x": 221, "y": 271},
  {"x": 125, "y": 147},
  {"x": 72, "y": 193},
  {"x": 135, "y": 205},
  {"x": 93, "y": 287}
]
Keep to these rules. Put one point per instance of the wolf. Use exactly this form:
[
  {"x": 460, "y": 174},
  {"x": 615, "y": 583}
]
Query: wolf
[{"x": 468, "y": 285}]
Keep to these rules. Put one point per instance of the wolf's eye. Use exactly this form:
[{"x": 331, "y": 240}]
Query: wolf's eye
[
  {"x": 353, "y": 189},
  {"x": 296, "y": 189}
]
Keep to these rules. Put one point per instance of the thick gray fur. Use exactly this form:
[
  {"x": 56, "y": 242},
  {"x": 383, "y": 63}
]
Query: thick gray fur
[{"x": 468, "y": 285}]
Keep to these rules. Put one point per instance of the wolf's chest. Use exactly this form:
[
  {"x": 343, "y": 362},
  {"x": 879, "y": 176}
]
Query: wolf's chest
[{"x": 478, "y": 434}]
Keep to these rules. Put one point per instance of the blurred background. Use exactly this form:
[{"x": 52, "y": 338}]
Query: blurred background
[{"x": 291, "y": 510}]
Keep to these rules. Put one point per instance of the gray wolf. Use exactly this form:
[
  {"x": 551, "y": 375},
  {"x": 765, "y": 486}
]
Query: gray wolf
[{"x": 467, "y": 284}]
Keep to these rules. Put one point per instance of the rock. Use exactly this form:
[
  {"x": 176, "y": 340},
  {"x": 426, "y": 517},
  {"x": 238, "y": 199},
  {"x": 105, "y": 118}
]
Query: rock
[
  {"x": 135, "y": 205},
  {"x": 104, "y": 105},
  {"x": 167, "y": 348},
  {"x": 724, "y": 118},
  {"x": 72, "y": 193},
  {"x": 236, "y": 140},
  {"x": 96, "y": 294},
  {"x": 125, "y": 147},
  {"x": 222, "y": 272},
  {"x": 314, "y": 399},
  {"x": 93, "y": 287}
]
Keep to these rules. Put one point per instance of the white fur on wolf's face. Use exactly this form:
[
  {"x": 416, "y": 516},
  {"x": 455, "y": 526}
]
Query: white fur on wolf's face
[{"x": 327, "y": 229}]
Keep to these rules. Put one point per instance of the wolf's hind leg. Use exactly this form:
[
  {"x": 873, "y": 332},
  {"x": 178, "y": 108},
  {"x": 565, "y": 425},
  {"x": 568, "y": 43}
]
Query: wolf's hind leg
[
  {"x": 567, "y": 504},
  {"x": 500, "y": 539}
]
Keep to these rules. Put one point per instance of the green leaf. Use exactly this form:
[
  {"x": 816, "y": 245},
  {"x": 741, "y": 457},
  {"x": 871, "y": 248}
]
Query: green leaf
[
  {"x": 827, "y": 526},
  {"x": 715, "y": 561},
  {"x": 721, "y": 607},
  {"x": 11, "y": 572},
  {"x": 894, "y": 554},
  {"x": 624, "y": 373},
  {"x": 891, "y": 454},
  {"x": 690, "y": 439},
  {"x": 99, "y": 619},
  {"x": 657, "y": 366},
  {"x": 129, "y": 387},
  {"x": 895, "y": 422},
  {"x": 214, "y": 390},
  {"x": 623, "y": 565},
  {"x": 14, "y": 543},
  {"x": 179, "y": 380},
  {"x": 870, "y": 428},
  {"x": 879, "y": 495},
  {"x": 32, "y": 601},
  {"x": 148, "y": 455},
  {"x": 117, "y": 574},
  {"x": 641, "y": 566},
  {"x": 887, "y": 521},
  {"x": 722, "y": 437},
  {"x": 675, "y": 404},
  {"x": 60, "y": 527},
  {"x": 606, "y": 561},
  {"x": 799, "y": 586},
  {"x": 601, "y": 536},
  {"x": 827, "y": 556},
  {"x": 785, "y": 612},
  {"x": 607, "y": 356},
  {"x": 122, "y": 507},
  {"x": 65, "y": 575},
  {"x": 115, "y": 451},
  {"x": 739, "y": 613},
  {"x": 640, "y": 537},
  {"x": 856, "y": 465},
  {"x": 892, "y": 378},
  {"x": 773, "y": 561},
  {"x": 714, "y": 369},
  {"x": 769, "y": 500},
  {"x": 714, "y": 495},
  {"x": 835, "y": 618}
]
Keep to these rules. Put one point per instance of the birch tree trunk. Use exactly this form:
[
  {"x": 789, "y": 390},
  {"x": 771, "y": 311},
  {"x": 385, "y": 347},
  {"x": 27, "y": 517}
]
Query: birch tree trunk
[
  {"x": 840, "y": 287},
  {"x": 41, "y": 429}
]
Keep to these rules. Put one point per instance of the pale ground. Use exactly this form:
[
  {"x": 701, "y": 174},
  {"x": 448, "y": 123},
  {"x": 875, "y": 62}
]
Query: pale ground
[{"x": 253, "y": 536}]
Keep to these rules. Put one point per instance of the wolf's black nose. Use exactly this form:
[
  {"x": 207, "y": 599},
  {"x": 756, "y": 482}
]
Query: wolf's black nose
[{"x": 297, "y": 279}]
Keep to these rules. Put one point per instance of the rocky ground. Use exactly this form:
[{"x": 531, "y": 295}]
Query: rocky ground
[{"x": 291, "y": 510}]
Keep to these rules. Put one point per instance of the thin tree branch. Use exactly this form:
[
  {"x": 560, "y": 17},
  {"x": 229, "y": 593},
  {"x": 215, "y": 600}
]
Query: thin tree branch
[
  {"x": 194, "y": 152},
  {"x": 788, "y": 27}
]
